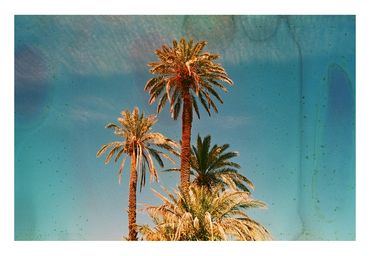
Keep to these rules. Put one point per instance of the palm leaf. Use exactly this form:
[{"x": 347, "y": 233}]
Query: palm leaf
[
  {"x": 112, "y": 125},
  {"x": 171, "y": 170},
  {"x": 120, "y": 170},
  {"x": 111, "y": 153},
  {"x": 195, "y": 106},
  {"x": 156, "y": 156},
  {"x": 119, "y": 154},
  {"x": 176, "y": 109},
  {"x": 162, "y": 103},
  {"x": 204, "y": 103},
  {"x": 102, "y": 150}
]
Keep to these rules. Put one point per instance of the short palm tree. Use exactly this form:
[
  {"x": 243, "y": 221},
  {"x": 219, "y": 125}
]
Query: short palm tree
[
  {"x": 140, "y": 144},
  {"x": 183, "y": 74},
  {"x": 213, "y": 166},
  {"x": 204, "y": 215}
]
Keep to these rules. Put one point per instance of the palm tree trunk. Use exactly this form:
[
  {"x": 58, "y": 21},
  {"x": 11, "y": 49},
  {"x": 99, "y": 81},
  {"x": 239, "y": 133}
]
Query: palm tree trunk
[
  {"x": 132, "y": 234},
  {"x": 186, "y": 136}
]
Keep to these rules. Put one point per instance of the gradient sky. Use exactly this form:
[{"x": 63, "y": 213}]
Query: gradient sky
[{"x": 291, "y": 116}]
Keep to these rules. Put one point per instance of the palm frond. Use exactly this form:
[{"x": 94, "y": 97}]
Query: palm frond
[
  {"x": 195, "y": 106},
  {"x": 204, "y": 103},
  {"x": 162, "y": 103},
  {"x": 176, "y": 109},
  {"x": 111, "y": 153},
  {"x": 120, "y": 170},
  {"x": 171, "y": 170},
  {"x": 102, "y": 150},
  {"x": 112, "y": 125},
  {"x": 156, "y": 156},
  {"x": 119, "y": 154}
]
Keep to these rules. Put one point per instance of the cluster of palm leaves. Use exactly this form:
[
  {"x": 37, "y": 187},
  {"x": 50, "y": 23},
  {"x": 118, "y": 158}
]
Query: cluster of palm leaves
[
  {"x": 211, "y": 205},
  {"x": 213, "y": 208},
  {"x": 203, "y": 215},
  {"x": 138, "y": 142},
  {"x": 212, "y": 167},
  {"x": 185, "y": 69}
]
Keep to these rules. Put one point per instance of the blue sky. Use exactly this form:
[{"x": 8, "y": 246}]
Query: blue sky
[{"x": 290, "y": 115}]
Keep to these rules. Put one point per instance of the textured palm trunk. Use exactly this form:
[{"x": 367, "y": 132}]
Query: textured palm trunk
[
  {"x": 186, "y": 135},
  {"x": 132, "y": 234}
]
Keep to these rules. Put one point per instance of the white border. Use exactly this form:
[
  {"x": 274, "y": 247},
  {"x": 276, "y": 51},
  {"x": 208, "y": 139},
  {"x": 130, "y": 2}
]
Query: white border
[
  {"x": 10, "y": 8},
  {"x": 186, "y": 7}
]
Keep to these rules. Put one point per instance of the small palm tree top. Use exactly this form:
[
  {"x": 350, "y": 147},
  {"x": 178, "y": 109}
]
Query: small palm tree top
[
  {"x": 185, "y": 67},
  {"x": 138, "y": 140},
  {"x": 204, "y": 215},
  {"x": 213, "y": 166}
]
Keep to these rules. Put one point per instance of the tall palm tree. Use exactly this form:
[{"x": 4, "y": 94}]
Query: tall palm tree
[
  {"x": 183, "y": 74},
  {"x": 204, "y": 215},
  {"x": 140, "y": 144},
  {"x": 213, "y": 166}
]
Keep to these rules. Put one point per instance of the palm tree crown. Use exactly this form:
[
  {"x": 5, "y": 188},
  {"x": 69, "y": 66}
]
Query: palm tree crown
[
  {"x": 204, "y": 215},
  {"x": 139, "y": 141},
  {"x": 213, "y": 166},
  {"x": 182, "y": 68}
]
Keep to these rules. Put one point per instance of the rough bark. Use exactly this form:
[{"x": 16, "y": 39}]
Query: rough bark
[
  {"x": 186, "y": 136},
  {"x": 132, "y": 234}
]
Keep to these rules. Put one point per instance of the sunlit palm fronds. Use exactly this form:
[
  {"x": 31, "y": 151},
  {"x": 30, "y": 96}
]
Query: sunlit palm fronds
[
  {"x": 138, "y": 139},
  {"x": 204, "y": 215},
  {"x": 184, "y": 66}
]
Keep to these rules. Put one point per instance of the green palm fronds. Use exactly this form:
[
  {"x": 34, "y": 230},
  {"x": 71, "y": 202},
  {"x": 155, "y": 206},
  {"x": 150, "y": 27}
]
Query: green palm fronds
[{"x": 212, "y": 166}]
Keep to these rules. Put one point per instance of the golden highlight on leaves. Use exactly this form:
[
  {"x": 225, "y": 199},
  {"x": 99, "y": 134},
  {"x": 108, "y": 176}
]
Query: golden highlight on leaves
[
  {"x": 203, "y": 215},
  {"x": 137, "y": 138},
  {"x": 182, "y": 67}
]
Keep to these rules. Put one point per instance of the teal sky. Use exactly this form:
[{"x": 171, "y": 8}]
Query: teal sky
[{"x": 290, "y": 115}]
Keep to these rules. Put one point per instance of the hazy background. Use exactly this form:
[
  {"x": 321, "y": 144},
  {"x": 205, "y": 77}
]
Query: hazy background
[{"x": 291, "y": 116}]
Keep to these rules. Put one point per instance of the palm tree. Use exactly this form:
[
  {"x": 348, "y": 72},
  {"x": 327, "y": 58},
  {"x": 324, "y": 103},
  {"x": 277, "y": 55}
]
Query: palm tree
[
  {"x": 183, "y": 74},
  {"x": 204, "y": 215},
  {"x": 140, "y": 144},
  {"x": 212, "y": 167}
]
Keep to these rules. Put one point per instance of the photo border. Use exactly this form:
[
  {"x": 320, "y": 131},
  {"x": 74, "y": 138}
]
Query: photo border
[{"x": 333, "y": 7}]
